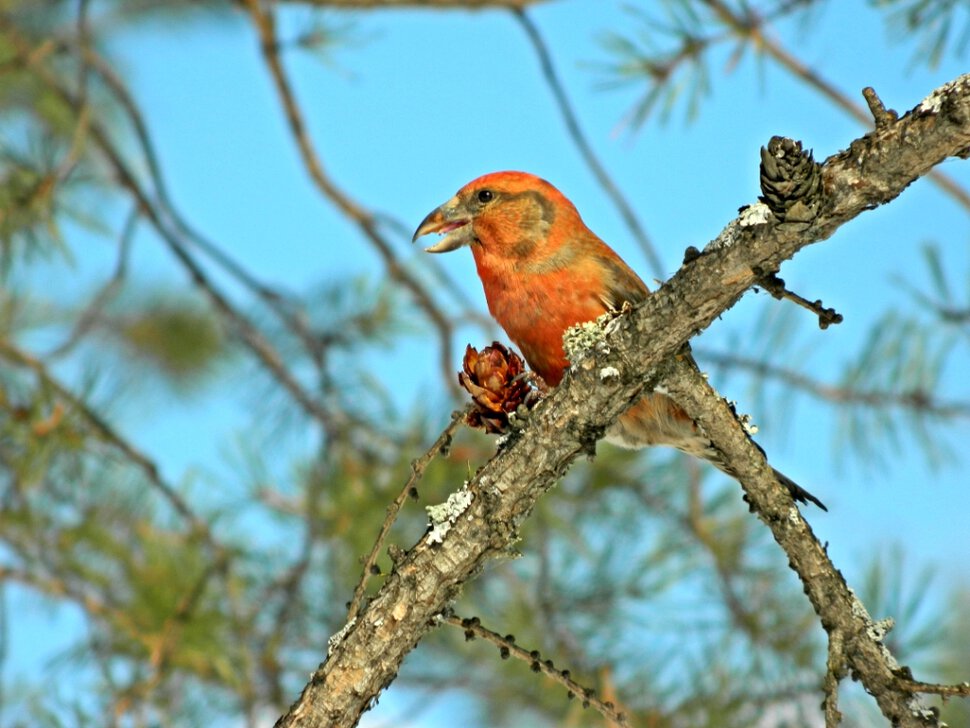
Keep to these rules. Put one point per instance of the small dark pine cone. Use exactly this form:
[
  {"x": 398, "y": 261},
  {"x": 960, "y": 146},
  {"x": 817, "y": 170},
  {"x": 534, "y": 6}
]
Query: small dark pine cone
[
  {"x": 495, "y": 378},
  {"x": 791, "y": 180}
]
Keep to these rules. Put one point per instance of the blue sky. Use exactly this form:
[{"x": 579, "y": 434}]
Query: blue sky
[{"x": 421, "y": 102}]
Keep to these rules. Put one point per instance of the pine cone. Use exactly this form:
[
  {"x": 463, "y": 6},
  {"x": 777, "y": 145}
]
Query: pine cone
[
  {"x": 791, "y": 180},
  {"x": 495, "y": 379}
]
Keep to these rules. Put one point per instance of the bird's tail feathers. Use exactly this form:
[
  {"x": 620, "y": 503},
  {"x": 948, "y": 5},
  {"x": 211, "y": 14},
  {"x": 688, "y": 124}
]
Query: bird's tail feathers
[
  {"x": 715, "y": 458},
  {"x": 797, "y": 491}
]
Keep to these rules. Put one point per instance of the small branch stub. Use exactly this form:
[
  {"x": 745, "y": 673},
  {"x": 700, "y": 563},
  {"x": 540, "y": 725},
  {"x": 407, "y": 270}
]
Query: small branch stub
[
  {"x": 791, "y": 181},
  {"x": 776, "y": 287},
  {"x": 882, "y": 116}
]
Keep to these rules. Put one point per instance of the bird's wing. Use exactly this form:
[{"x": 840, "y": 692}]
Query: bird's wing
[{"x": 622, "y": 284}]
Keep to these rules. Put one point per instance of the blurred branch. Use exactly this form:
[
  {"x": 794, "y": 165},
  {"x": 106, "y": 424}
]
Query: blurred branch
[
  {"x": 286, "y": 590},
  {"x": 368, "y": 224},
  {"x": 415, "y": 4},
  {"x": 693, "y": 523},
  {"x": 920, "y": 402},
  {"x": 273, "y": 299},
  {"x": 481, "y": 521},
  {"x": 163, "y": 647},
  {"x": 582, "y": 144},
  {"x": 55, "y": 587},
  {"x": 107, "y": 434},
  {"x": 92, "y": 311},
  {"x": 747, "y": 27}
]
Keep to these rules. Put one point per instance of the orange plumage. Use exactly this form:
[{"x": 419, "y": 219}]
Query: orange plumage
[{"x": 543, "y": 271}]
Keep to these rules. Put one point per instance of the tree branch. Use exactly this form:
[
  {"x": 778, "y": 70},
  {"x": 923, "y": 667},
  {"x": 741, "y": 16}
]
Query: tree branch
[
  {"x": 428, "y": 4},
  {"x": 840, "y": 395},
  {"x": 639, "y": 349},
  {"x": 852, "y": 632}
]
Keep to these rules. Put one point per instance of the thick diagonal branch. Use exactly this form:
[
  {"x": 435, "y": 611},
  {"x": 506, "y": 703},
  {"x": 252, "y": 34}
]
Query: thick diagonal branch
[{"x": 365, "y": 657}]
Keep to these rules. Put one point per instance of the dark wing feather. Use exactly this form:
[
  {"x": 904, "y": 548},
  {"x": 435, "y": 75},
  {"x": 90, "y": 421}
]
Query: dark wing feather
[{"x": 623, "y": 284}]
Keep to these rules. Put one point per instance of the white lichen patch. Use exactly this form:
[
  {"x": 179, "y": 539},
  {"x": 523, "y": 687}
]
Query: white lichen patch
[
  {"x": 756, "y": 214},
  {"x": 609, "y": 373},
  {"x": 878, "y": 630},
  {"x": 444, "y": 515},
  {"x": 793, "y": 516},
  {"x": 934, "y": 102},
  {"x": 339, "y": 637},
  {"x": 580, "y": 338},
  {"x": 726, "y": 239},
  {"x": 858, "y": 609}
]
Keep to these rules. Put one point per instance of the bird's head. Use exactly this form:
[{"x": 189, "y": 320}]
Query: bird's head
[{"x": 506, "y": 213}]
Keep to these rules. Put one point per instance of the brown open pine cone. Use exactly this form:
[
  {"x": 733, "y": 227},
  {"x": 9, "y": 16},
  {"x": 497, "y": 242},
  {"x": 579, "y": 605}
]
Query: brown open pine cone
[{"x": 496, "y": 379}]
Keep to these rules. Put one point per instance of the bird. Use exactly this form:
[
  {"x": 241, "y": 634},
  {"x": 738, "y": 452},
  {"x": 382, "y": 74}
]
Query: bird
[{"x": 542, "y": 271}]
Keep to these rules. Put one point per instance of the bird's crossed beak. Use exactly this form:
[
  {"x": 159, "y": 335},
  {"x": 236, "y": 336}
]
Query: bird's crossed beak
[{"x": 451, "y": 221}]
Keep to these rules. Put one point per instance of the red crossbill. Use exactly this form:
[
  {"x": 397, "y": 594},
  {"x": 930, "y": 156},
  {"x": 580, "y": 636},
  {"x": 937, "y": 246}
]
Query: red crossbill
[{"x": 543, "y": 271}]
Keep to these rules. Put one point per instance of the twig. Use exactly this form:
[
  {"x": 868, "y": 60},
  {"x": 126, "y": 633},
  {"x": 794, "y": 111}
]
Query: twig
[
  {"x": 508, "y": 648},
  {"x": 915, "y": 686},
  {"x": 418, "y": 466},
  {"x": 91, "y": 312},
  {"x": 776, "y": 287},
  {"x": 576, "y": 133},
  {"x": 880, "y": 114}
]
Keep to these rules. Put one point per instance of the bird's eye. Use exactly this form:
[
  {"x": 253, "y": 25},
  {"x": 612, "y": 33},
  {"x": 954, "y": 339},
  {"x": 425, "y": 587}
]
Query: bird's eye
[{"x": 485, "y": 196}]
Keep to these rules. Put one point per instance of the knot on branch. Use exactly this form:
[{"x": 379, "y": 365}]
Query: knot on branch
[{"x": 791, "y": 180}]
